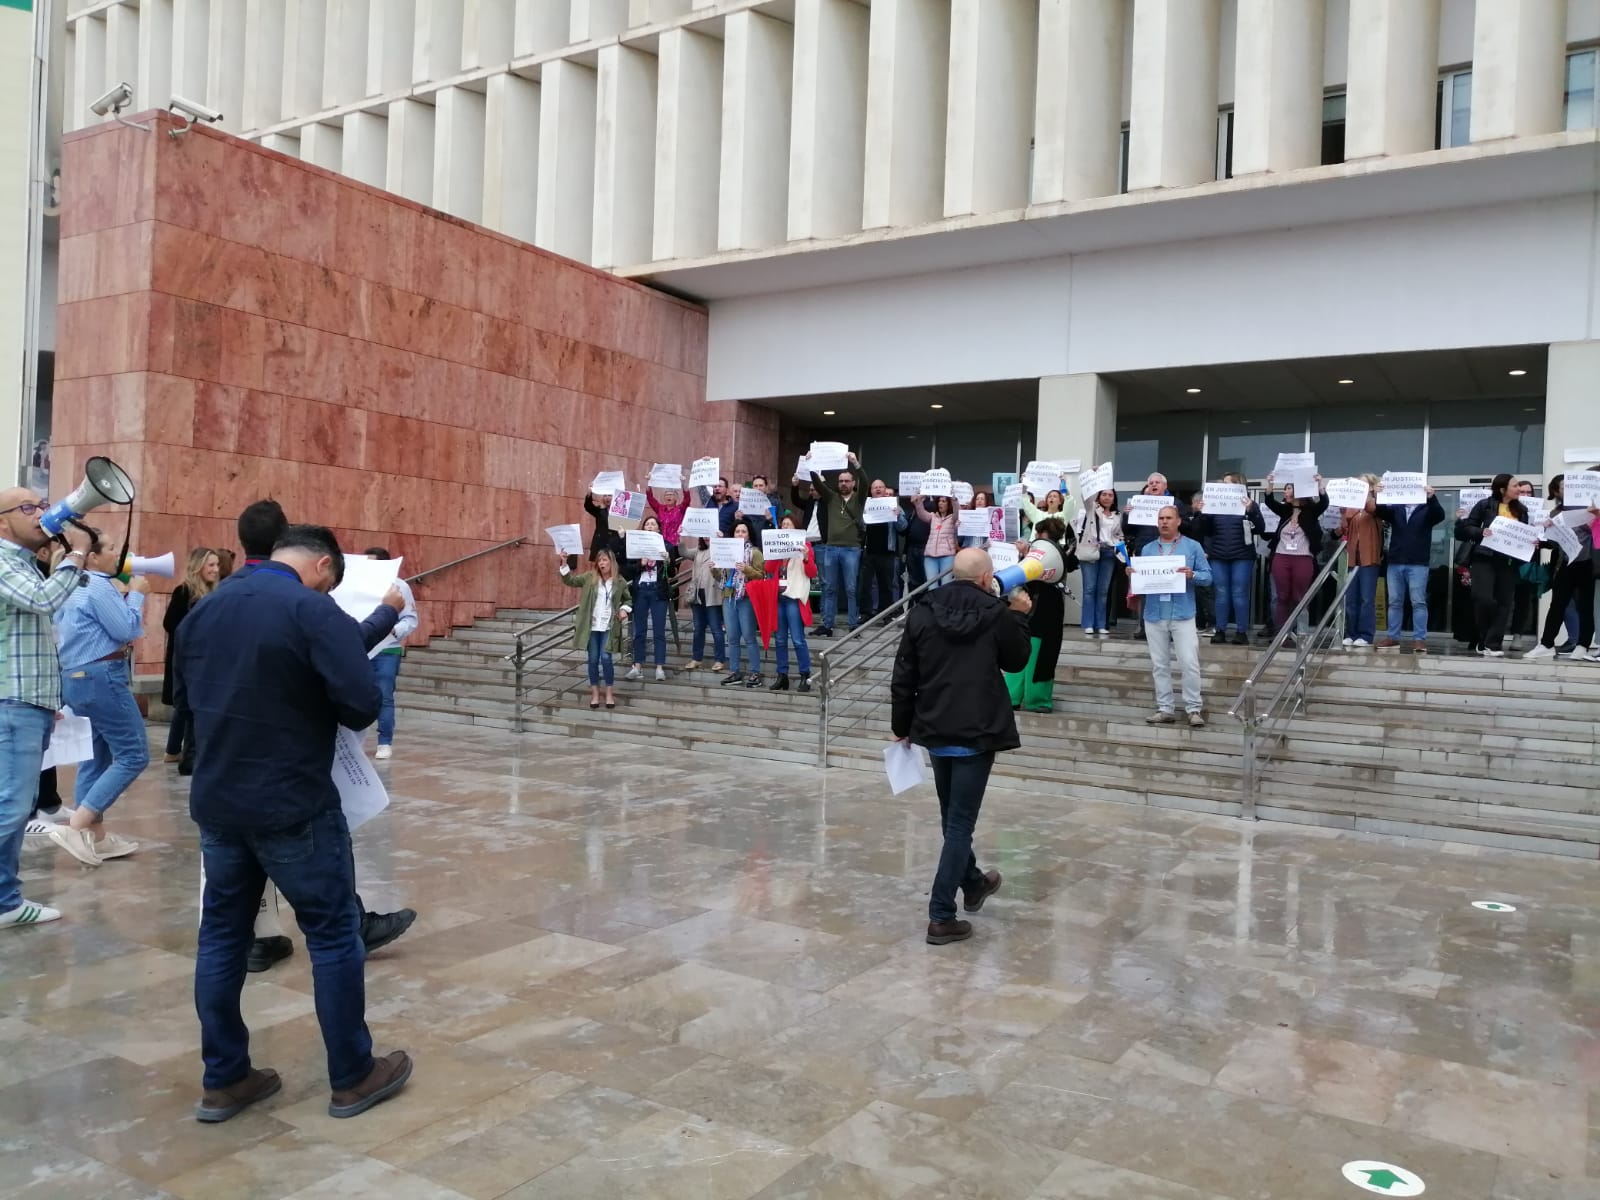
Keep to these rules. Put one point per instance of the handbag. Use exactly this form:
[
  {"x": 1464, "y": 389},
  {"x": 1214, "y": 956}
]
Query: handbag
[{"x": 1088, "y": 549}]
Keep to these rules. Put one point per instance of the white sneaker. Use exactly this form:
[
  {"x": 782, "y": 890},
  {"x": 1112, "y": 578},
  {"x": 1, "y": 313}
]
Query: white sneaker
[
  {"x": 60, "y": 817},
  {"x": 1348, "y": 642},
  {"x": 1544, "y": 652},
  {"x": 1362, "y": 644},
  {"x": 36, "y": 832},
  {"x": 113, "y": 846},
  {"x": 77, "y": 842},
  {"x": 1488, "y": 653},
  {"x": 661, "y": 673},
  {"x": 384, "y": 752},
  {"x": 28, "y": 913},
  {"x": 1579, "y": 654},
  {"x": 634, "y": 672}
]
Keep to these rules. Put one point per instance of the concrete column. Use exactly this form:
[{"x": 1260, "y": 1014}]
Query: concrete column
[
  {"x": 305, "y": 36},
  {"x": 1277, "y": 100},
  {"x": 88, "y": 69},
  {"x": 391, "y": 30},
  {"x": 994, "y": 47},
  {"x": 1392, "y": 93},
  {"x": 757, "y": 99},
  {"x": 540, "y": 26},
  {"x": 624, "y": 157},
  {"x": 1077, "y": 418},
  {"x": 344, "y": 65},
  {"x": 511, "y": 155},
  {"x": 365, "y": 148},
  {"x": 409, "y": 159},
  {"x": 486, "y": 33},
  {"x": 153, "y": 87},
  {"x": 828, "y": 136},
  {"x": 436, "y": 52},
  {"x": 564, "y": 216},
  {"x": 122, "y": 51},
  {"x": 1569, "y": 421},
  {"x": 1172, "y": 136},
  {"x": 282, "y": 143},
  {"x": 1075, "y": 126},
  {"x": 1518, "y": 69},
  {"x": 593, "y": 20},
  {"x": 225, "y": 57},
  {"x": 688, "y": 146},
  {"x": 908, "y": 79},
  {"x": 458, "y": 153},
  {"x": 323, "y": 145},
  {"x": 263, "y": 64},
  {"x": 191, "y": 32}
]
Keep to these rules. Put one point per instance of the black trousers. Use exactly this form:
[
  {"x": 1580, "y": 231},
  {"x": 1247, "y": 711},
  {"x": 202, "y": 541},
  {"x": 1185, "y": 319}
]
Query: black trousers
[
  {"x": 1494, "y": 588},
  {"x": 1575, "y": 581},
  {"x": 879, "y": 569}
]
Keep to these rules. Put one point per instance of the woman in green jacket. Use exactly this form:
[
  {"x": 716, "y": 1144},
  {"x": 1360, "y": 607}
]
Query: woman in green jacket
[{"x": 602, "y": 609}]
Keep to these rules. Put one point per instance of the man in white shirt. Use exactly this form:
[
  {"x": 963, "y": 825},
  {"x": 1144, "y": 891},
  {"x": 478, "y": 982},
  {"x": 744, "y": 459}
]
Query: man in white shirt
[{"x": 386, "y": 657}]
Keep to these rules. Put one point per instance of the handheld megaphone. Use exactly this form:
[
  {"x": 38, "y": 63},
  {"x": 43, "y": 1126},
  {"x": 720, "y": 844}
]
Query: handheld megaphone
[
  {"x": 166, "y": 566},
  {"x": 1043, "y": 562},
  {"x": 103, "y": 483}
]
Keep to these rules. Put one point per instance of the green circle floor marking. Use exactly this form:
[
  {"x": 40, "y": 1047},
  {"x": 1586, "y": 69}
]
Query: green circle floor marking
[
  {"x": 1494, "y": 906},
  {"x": 1384, "y": 1178}
]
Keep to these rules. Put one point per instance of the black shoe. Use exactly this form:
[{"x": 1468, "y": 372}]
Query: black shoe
[
  {"x": 752, "y": 681},
  {"x": 186, "y": 766},
  {"x": 1241, "y": 639},
  {"x": 822, "y": 631},
  {"x": 266, "y": 952},
  {"x": 781, "y": 684},
  {"x": 1219, "y": 638},
  {"x": 733, "y": 677},
  {"x": 1140, "y": 636},
  {"x": 379, "y": 929},
  {"x": 1563, "y": 649},
  {"x": 804, "y": 685}
]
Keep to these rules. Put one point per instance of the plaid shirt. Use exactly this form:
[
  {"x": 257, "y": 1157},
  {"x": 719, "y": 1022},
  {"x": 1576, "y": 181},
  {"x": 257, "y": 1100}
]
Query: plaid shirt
[{"x": 30, "y": 671}]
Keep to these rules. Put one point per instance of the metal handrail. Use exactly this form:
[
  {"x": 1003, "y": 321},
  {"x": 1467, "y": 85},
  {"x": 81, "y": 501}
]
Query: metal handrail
[{"x": 456, "y": 562}]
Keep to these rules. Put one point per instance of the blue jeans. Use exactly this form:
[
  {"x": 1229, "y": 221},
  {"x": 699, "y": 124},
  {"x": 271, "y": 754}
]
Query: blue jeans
[
  {"x": 1097, "y": 589},
  {"x": 935, "y": 565},
  {"x": 1361, "y": 605},
  {"x": 600, "y": 658},
  {"x": 960, "y": 783},
  {"x": 842, "y": 570},
  {"x": 385, "y": 671},
  {"x": 312, "y": 866},
  {"x": 24, "y": 731},
  {"x": 100, "y": 692},
  {"x": 792, "y": 627},
  {"x": 1403, "y": 581},
  {"x": 1230, "y": 578},
  {"x": 740, "y": 619},
  {"x": 708, "y": 616},
  {"x": 650, "y": 607}
]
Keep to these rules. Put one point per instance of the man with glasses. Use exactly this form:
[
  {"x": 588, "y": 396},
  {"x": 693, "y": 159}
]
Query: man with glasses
[{"x": 30, "y": 679}]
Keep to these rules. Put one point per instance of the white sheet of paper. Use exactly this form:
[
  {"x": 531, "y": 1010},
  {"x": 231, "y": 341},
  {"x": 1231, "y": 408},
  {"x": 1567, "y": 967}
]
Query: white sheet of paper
[
  {"x": 1581, "y": 487},
  {"x": 1158, "y": 575},
  {"x": 361, "y": 792},
  {"x": 1013, "y": 495},
  {"x": 803, "y": 467},
  {"x": 1538, "y": 509},
  {"x": 910, "y": 483},
  {"x": 813, "y": 529},
  {"x": 961, "y": 492},
  {"x": 699, "y": 522},
  {"x": 566, "y": 538},
  {"x": 936, "y": 482},
  {"x": 1403, "y": 487},
  {"x": 705, "y": 472},
  {"x": 1575, "y": 518},
  {"x": 1094, "y": 481},
  {"x": 1070, "y": 466},
  {"x": 1297, "y": 470},
  {"x": 1003, "y": 554},
  {"x": 829, "y": 456},
  {"x": 973, "y": 522},
  {"x": 880, "y": 510},
  {"x": 1345, "y": 493},
  {"x": 1224, "y": 499},
  {"x": 781, "y": 544},
  {"x": 728, "y": 552},
  {"x": 667, "y": 476},
  {"x": 608, "y": 483},
  {"x": 1582, "y": 454},
  {"x": 1511, "y": 538},
  {"x": 1270, "y": 520},
  {"x": 645, "y": 543},
  {"x": 366, "y": 581},
  {"x": 1143, "y": 510},
  {"x": 1042, "y": 477},
  {"x": 71, "y": 741},
  {"x": 1562, "y": 535},
  {"x": 627, "y": 510},
  {"x": 753, "y": 502},
  {"x": 1469, "y": 496},
  {"x": 902, "y": 762}
]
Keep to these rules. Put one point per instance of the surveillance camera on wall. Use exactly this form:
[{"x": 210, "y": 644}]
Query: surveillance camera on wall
[
  {"x": 114, "y": 101},
  {"x": 194, "y": 110}
]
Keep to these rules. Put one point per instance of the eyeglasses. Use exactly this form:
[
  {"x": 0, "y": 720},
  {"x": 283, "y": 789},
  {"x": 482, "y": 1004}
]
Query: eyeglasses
[{"x": 26, "y": 510}]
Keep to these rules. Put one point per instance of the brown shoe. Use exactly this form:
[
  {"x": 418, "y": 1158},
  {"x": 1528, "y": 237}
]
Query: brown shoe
[
  {"x": 388, "y": 1076},
  {"x": 941, "y": 933},
  {"x": 219, "y": 1104},
  {"x": 991, "y": 885},
  {"x": 1388, "y": 644}
]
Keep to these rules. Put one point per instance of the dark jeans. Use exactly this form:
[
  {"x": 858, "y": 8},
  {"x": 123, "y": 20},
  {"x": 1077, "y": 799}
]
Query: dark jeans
[
  {"x": 876, "y": 569},
  {"x": 1361, "y": 605},
  {"x": 1494, "y": 586},
  {"x": 180, "y": 734},
  {"x": 960, "y": 783},
  {"x": 1232, "y": 578},
  {"x": 1574, "y": 582},
  {"x": 792, "y": 630},
  {"x": 312, "y": 866},
  {"x": 386, "y": 673},
  {"x": 600, "y": 661},
  {"x": 916, "y": 569},
  {"x": 708, "y": 616},
  {"x": 650, "y": 608}
]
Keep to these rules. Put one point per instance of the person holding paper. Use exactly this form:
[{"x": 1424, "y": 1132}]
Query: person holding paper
[
  {"x": 793, "y": 576},
  {"x": 605, "y": 538},
  {"x": 1295, "y": 547},
  {"x": 727, "y": 506},
  {"x": 1364, "y": 537},
  {"x": 1231, "y": 549},
  {"x": 272, "y": 669},
  {"x": 603, "y": 609},
  {"x": 200, "y": 578},
  {"x": 705, "y": 603},
  {"x": 1140, "y": 536},
  {"x": 915, "y": 542},
  {"x": 650, "y": 582},
  {"x": 761, "y": 517},
  {"x": 669, "y": 507},
  {"x": 882, "y": 557},
  {"x": 981, "y": 499},
  {"x": 1054, "y": 506},
  {"x": 1410, "y": 552},
  {"x": 738, "y": 615},
  {"x": 939, "y": 514},
  {"x": 1098, "y": 530},
  {"x": 841, "y": 541},
  {"x": 1034, "y": 687},
  {"x": 386, "y": 657},
  {"x": 1574, "y": 583},
  {"x": 1169, "y": 621},
  {"x": 948, "y": 694},
  {"x": 1494, "y": 573}
]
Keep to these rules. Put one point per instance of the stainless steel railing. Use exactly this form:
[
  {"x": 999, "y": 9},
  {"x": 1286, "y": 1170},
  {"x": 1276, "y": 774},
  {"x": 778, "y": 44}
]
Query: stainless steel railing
[{"x": 456, "y": 562}]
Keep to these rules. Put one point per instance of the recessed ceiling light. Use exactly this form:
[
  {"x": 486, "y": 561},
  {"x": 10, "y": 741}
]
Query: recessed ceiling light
[
  {"x": 827, "y": 412},
  {"x": 1518, "y": 371},
  {"x": 1192, "y": 391},
  {"x": 1347, "y": 381},
  {"x": 935, "y": 406}
]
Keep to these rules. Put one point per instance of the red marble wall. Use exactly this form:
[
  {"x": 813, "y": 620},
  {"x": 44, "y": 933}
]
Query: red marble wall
[{"x": 236, "y": 324}]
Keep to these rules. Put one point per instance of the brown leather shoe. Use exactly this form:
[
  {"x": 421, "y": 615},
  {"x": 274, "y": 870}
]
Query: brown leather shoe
[
  {"x": 941, "y": 933},
  {"x": 219, "y": 1104},
  {"x": 991, "y": 885},
  {"x": 388, "y": 1076}
]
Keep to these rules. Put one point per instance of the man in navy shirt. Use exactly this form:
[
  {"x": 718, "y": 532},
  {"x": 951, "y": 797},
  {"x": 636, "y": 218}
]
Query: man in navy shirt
[{"x": 271, "y": 668}]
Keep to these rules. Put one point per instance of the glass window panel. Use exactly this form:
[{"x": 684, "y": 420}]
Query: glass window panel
[
  {"x": 1172, "y": 443},
  {"x": 1249, "y": 441},
  {"x": 1369, "y": 436},
  {"x": 1580, "y": 89},
  {"x": 1332, "y": 129},
  {"x": 1483, "y": 437},
  {"x": 885, "y": 451},
  {"x": 974, "y": 451},
  {"x": 1455, "y": 118},
  {"x": 1333, "y": 107}
]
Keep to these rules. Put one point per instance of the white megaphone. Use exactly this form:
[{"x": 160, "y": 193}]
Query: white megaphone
[
  {"x": 166, "y": 566},
  {"x": 103, "y": 483}
]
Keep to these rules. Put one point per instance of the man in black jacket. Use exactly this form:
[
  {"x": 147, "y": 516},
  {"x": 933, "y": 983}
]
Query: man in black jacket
[
  {"x": 1410, "y": 552},
  {"x": 949, "y": 694}
]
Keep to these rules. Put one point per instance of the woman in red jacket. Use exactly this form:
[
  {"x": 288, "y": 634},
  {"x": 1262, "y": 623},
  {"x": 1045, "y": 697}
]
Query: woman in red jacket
[{"x": 794, "y": 578}]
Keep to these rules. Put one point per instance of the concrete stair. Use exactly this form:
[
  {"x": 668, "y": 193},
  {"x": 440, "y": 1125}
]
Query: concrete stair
[{"x": 1439, "y": 746}]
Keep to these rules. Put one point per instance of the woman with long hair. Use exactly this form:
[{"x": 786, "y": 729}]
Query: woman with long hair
[
  {"x": 603, "y": 608},
  {"x": 1295, "y": 547},
  {"x": 201, "y": 574},
  {"x": 981, "y": 498},
  {"x": 705, "y": 603},
  {"x": 1494, "y": 575},
  {"x": 794, "y": 578},
  {"x": 1574, "y": 584},
  {"x": 1033, "y": 687},
  {"x": 1359, "y": 528},
  {"x": 739, "y": 616},
  {"x": 1230, "y": 544},
  {"x": 1053, "y": 505},
  {"x": 939, "y": 514},
  {"x": 650, "y": 581},
  {"x": 1098, "y": 529}
]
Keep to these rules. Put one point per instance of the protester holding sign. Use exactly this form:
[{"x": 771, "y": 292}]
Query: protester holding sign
[
  {"x": 793, "y": 577},
  {"x": 705, "y": 603},
  {"x": 1229, "y": 538},
  {"x": 603, "y": 608},
  {"x": 1361, "y": 532},
  {"x": 1410, "y": 551},
  {"x": 981, "y": 501},
  {"x": 650, "y": 582},
  {"x": 738, "y": 615},
  {"x": 882, "y": 552},
  {"x": 1034, "y": 687},
  {"x": 1054, "y": 505},
  {"x": 940, "y": 516},
  {"x": 1141, "y": 535},
  {"x": 1169, "y": 621},
  {"x": 1098, "y": 530},
  {"x": 843, "y": 501},
  {"x": 1574, "y": 582},
  {"x": 669, "y": 505},
  {"x": 1295, "y": 547},
  {"x": 605, "y": 538},
  {"x": 1494, "y": 573}
]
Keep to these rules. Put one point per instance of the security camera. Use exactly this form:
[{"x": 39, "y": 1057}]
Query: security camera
[
  {"x": 194, "y": 110},
  {"x": 114, "y": 101}
]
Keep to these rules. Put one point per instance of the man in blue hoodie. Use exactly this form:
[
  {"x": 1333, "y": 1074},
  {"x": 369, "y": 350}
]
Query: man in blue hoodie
[
  {"x": 1410, "y": 551},
  {"x": 1169, "y": 621}
]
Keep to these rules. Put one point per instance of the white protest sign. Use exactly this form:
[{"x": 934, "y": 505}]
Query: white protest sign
[
  {"x": 962, "y": 492},
  {"x": 699, "y": 522},
  {"x": 1224, "y": 499},
  {"x": 1538, "y": 509},
  {"x": 1581, "y": 488},
  {"x": 645, "y": 544},
  {"x": 829, "y": 456},
  {"x": 936, "y": 482},
  {"x": 705, "y": 472},
  {"x": 71, "y": 742},
  {"x": 366, "y": 582},
  {"x": 1005, "y": 524},
  {"x": 1042, "y": 477},
  {"x": 1158, "y": 575},
  {"x": 1002, "y": 555},
  {"x": 1575, "y": 518},
  {"x": 1346, "y": 493},
  {"x": 973, "y": 522},
  {"x": 1144, "y": 510},
  {"x": 608, "y": 483},
  {"x": 362, "y": 795},
  {"x": 1472, "y": 495},
  {"x": 779, "y": 544},
  {"x": 880, "y": 510},
  {"x": 803, "y": 466},
  {"x": 1270, "y": 520},
  {"x": 1579, "y": 454},
  {"x": 753, "y": 502},
  {"x": 1013, "y": 495},
  {"x": 568, "y": 539},
  {"x": 1403, "y": 487},
  {"x": 813, "y": 531},
  {"x": 1094, "y": 481},
  {"x": 627, "y": 508},
  {"x": 910, "y": 483},
  {"x": 1298, "y": 471},
  {"x": 728, "y": 552},
  {"x": 1512, "y": 538},
  {"x": 667, "y": 476},
  {"x": 1070, "y": 466},
  {"x": 1561, "y": 535}
]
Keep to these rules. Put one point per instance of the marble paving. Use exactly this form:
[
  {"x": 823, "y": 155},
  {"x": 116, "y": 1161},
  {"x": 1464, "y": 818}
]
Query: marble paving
[{"x": 671, "y": 977}]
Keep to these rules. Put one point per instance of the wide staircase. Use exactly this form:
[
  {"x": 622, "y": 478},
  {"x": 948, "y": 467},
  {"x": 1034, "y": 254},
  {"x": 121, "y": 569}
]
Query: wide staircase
[{"x": 1438, "y": 746}]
